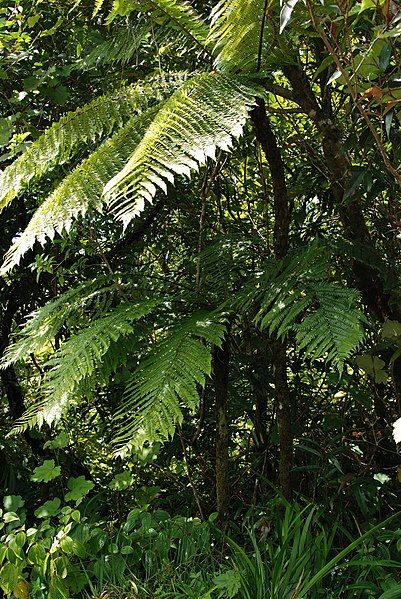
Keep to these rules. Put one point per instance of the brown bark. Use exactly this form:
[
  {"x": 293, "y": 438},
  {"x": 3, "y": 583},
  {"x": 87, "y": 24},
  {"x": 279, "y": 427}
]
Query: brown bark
[
  {"x": 221, "y": 364},
  {"x": 267, "y": 140}
]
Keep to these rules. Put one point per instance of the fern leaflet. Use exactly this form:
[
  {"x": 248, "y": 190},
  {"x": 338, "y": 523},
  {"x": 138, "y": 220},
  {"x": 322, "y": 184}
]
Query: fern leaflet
[
  {"x": 179, "y": 14},
  {"x": 78, "y": 358},
  {"x": 79, "y": 191},
  {"x": 86, "y": 125}
]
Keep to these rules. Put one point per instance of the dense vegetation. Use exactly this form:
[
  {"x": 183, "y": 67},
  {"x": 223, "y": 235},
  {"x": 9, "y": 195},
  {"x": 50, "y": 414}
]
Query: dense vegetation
[{"x": 200, "y": 305}]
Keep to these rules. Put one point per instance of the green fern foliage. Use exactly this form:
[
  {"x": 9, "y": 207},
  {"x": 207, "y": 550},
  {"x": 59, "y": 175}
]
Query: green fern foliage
[
  {"x": 177, "y": 13},
  {"x": 79, "y": 358},
  {"x": 166, "y": 380},
  {"x": 79, "y": 191},
  {"x": 334, "y": 328},
  {"x": 235, "y": 34},
  {"x": 206, "y": 113},
  {"x": 87, "y": 125},
  {"x": 296, "y": 295},
  {"x": 43, "y": 324},
  {"x": 120, "y": 48}
]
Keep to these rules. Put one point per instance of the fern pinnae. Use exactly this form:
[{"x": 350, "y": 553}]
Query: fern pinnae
[
  {"x": 79, "y": 357},
  {"x": 235, "y": 34},
  {"x": 179, "y": 13},
  {"x": 167, "y": 378},
  {"x": 88, "y": 124},
  {"x": 43, "y": 324},
  {"x": 79, "y": 191},
  {"x": 180, "y": 139}
]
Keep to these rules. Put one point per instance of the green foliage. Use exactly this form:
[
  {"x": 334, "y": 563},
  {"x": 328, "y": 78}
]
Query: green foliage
[
  {"x": 235, "y": 34},
  {"x": 296, "y": 562},
  {"x": 80, "y": 191},
  {"x": 167, "y": 377},
  {"x": 43, "y": 324},
  {"x": 59, "y": 143},
  {"x": 80, "y": 356},
  {"x": 295, "y": 295},
  {"x": 46, "y": 472},
  {"x": 204, "y": 115},
  {"x": 178, "y": 14},
  {"x": 120, "y": 48}
]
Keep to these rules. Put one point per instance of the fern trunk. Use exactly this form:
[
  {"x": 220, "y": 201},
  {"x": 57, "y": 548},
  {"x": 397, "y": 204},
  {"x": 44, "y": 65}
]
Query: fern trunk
[
  {"x": 221, "y": 364},
  {"x": 267, "y": 140}
]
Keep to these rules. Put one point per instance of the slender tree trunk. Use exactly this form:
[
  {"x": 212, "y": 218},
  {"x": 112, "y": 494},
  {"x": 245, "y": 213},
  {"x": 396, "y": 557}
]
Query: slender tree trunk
[
  {"x": 267, "y": 140},
  {"x": 221, "y": 364}
]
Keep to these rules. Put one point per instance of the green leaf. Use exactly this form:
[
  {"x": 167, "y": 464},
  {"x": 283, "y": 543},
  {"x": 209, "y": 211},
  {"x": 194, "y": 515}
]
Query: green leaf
[
  {"x": 10, "y": 517},
  {"x": 391, "y": 329},
  {"x": 48, "y": 509},
  {"x": 229, "y": 581},
  {"x": 79, "y": 487},
  {"x": 8, "y": 577},
  {"x": 59, "y": 442},
  {"x": 12, "y": 503},
  {"x": 46, "y": 472},
  {"x": 373, "y": 366},
  {"x": 122, "y": 481},
  {"x": 34, "y": 19}
]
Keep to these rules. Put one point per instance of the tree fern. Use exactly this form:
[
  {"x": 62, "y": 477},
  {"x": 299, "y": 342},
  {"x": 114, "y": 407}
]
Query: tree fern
[
  {"x": 79, "y": 191},
  {"x": 79, "y": 357},
  {"x": 178, "y": 13},
  {"x": 235, "y": 34},
  {"x": 203, "y": 115},
  {"x": 86, "y": 125},
  {"x": 165, "y": 379}
]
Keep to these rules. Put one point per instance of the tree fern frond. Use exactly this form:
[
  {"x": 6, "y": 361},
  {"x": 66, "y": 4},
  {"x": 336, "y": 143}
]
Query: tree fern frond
[
  {"x": 287, "y": 288},
  {"x": 87, "y": 124},
  {"x": 205, "y": 114},
  {"x": 294, "y": 294},
  {"x": 167, "y": 378},
  {"x": 334, "y": 330},
  {"x": 79, "y": 357},
  {"x": 235, "y": 34},
  {"x": 119, "y": 49},
  {"x": 79, "y": 191},
  {"x": 43, "y": 324},
  {"x": 179, "y": 14}
]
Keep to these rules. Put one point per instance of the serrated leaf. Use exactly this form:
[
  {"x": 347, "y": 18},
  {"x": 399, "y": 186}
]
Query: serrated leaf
[
  {"x": 46, "y": 472},
  {"x": 79, "y": 487}
]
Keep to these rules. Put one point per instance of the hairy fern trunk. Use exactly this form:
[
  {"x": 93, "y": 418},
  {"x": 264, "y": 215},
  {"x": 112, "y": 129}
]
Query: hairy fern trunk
[
  {"x": 221, "y": 365},
  {"x": 267, "y": 140}
]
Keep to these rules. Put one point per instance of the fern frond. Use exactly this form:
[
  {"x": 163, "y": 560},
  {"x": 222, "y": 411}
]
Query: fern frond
[
  {"x": 334, "y": 330},
  {"x": 178, "y": 13},
  {"x": 79, "y": 191},
  {"x": 287, "y": 288},
  {"x": 294, "y": 295},
  {"x": 77, "y": 129},
  {"x": 43, "y": 324},
  {"x": 205, "y": 114},
  {"x": 167, "y": 378},
  {"x": 119, "y": 49},
  {"x": 78, "y": 358},
  {"x": 235, "y": 34}
]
